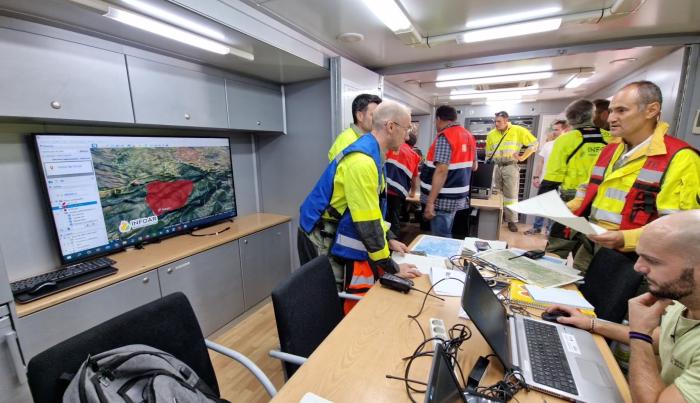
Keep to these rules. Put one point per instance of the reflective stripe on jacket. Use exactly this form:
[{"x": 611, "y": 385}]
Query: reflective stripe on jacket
[
  {"x": 573, "y": 155},
  {"x": 348, "y": 243},
  {"x": 635, "y": 194},
  {"x": 401, "y": 168},
  {"x": 460, "y": 167}
]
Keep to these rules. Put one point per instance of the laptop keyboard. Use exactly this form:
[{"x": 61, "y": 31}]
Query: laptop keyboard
[{"x": 547, "y": 357}]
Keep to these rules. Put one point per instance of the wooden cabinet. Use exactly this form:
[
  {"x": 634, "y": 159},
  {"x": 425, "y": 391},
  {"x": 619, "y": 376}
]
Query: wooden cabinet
[
  {"x": 48, "y": 78},
  {"x": 265, "y": 260},
  {"x": 167, "y": 95},
  {"x": 211, "y": 280},
  {"x": 252, "y": 107},
  {"x": 45, "y": 328}
]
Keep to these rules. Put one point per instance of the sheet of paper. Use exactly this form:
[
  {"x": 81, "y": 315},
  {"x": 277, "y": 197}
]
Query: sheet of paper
[
  {"x": 439, "y": 246},
  {"x": 446, "y": 282},
  {"x": 423, "y": 263},
  {"x": 528, "y": 270},
  {"x": 558, "y": 296},
  {"x": 550, "y": 205}
]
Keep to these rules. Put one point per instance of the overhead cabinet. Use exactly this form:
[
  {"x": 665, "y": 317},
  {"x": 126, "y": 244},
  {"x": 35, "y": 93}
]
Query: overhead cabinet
[
  {"x": 42, "y": 77},
  {"x": 253, "y": 107},
  {"x": 168, "y": 95}
]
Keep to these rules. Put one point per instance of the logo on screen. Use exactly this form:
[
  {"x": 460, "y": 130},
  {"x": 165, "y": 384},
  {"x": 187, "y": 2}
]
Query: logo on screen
[{"x": 137, "y": 223}]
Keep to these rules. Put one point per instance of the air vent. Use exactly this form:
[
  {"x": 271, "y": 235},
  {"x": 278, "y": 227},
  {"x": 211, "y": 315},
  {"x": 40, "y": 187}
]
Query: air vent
[{"x": 504, "y": 86}]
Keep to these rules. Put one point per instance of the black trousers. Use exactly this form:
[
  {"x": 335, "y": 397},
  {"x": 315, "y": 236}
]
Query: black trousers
[{"x": 306, "y": 249}]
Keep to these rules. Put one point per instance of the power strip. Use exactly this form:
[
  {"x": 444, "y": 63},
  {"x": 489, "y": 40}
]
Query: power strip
[{"x": 437, "y": 330}]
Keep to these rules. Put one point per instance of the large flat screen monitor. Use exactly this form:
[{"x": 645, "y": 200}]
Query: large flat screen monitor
[{"x": 110, "y": 192}]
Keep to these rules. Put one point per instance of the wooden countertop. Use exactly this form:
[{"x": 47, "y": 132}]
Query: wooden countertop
[{"x": 133, "y": 262}]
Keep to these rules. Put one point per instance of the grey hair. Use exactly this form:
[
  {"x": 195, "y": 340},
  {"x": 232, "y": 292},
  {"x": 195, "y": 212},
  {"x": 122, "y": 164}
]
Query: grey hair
[
  {"x": 647, "y": 93},
  {"x": 579, "y": 113},
  {"x": 388, "y": 111}
]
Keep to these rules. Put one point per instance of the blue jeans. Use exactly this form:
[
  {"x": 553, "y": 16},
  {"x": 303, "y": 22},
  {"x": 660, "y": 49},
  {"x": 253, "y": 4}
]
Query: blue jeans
[
  {"x": 441, "y": 224},
  {"x": 539, "y": 223}
]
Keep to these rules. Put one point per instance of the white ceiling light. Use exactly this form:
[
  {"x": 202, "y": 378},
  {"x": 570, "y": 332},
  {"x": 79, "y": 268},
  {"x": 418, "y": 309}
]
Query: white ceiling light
[
  {"x": 495, "y": 70},
  {"x": 578, "y": 80},
  {"x": 502, "y": 104},
  {"x": 507, "y": 31},
  {"x": 165, "y": 15},
  {"x": 521, "y": 90},
  {"x": 496, "y": 95},
  {"x": 508, "y": 18},
  {"x": 390, "y": 14},
  {"x": 496, "y": 79}
]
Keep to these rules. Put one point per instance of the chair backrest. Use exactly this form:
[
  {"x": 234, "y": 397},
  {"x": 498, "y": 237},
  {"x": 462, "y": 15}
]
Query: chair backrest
[
  {"x": 307, "y": 308},
  {"x": 168, "y": 324},
  {"x": 610, "y": 282}
]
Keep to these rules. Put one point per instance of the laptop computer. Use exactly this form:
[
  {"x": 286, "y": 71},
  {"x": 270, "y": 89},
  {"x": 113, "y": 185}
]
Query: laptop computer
[{"x": 560, "y": 360}]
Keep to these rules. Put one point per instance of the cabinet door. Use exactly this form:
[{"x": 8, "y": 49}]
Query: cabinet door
[
  {"x": 265, "y": 262},
  {"x": 252, "y": 107},
  {"x": 43, "y": 77},
  {"x": 211, "y": 280},
  {"x": 169, "y": 95},
  {"x": 43, "y": 329}
]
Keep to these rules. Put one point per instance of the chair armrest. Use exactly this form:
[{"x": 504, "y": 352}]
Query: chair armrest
[
  {"x": 345, "y": 295},
  {"x": 291, "y": 358},
  {"x": 246, "y": 362}
]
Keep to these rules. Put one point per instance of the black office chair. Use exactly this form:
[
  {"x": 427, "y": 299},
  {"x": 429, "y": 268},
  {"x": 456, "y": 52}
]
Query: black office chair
[
  {"x": 307, "y": 308},
  {"x": 168, "y": 324},
  {"x": 610, "y": 282}
]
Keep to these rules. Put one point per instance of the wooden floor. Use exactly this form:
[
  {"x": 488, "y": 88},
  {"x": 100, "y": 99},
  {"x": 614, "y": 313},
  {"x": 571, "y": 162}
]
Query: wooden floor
[{"x": 256, "y": 334}]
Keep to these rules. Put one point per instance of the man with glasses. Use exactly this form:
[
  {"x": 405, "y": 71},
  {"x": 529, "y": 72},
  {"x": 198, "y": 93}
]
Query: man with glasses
[
  {"x": 447, "y": 171},
  {"x": 503, "y": 145},
  {"x": 342, "y": 216}
]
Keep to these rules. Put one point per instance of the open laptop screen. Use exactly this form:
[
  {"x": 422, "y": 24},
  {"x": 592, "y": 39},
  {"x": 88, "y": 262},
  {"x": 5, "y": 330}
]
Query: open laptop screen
[
  {"x": 488, "y": 314},
  {"x": 443, "y": 386}
]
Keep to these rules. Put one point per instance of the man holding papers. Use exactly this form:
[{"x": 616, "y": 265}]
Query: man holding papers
[{"x": 664, "y": 321}]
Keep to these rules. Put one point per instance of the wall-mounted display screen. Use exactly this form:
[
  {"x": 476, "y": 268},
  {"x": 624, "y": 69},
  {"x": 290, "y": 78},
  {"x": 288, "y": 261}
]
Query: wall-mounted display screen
[{"x": 110, "y": 192}]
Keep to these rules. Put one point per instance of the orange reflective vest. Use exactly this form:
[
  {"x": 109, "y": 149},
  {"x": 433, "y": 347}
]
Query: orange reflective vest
[{"x": 361, "y": 280}]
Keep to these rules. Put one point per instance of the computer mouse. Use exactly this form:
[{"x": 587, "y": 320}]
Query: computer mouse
[{"x": 552, "y": 316}]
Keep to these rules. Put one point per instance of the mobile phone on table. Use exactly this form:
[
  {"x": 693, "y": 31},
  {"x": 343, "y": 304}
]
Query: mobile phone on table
[{"x": 482, "y": 245}]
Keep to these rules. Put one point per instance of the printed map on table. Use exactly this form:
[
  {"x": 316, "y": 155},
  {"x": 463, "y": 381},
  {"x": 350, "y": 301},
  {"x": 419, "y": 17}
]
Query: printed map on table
[{"x": 438, "y": 246}]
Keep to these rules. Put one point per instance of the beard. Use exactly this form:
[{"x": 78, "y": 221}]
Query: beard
[{"x": 682, "y": 287}]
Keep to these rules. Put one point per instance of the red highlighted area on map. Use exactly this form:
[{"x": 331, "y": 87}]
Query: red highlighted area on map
[{"x": 163, "y": 197}]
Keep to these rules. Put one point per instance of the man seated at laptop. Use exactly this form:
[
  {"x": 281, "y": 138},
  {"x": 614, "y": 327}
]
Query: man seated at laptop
[{"x": 664, "y": 321}]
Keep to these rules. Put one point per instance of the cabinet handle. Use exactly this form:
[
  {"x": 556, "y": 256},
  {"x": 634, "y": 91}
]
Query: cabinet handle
[
  {"x": 55, "y": 104},
  {"x": 258, "y": 123},
  {"x": 145, "y": 280},
  {"x": 245, "y": 242},
  {"x": 187, "y": 116},
  {"x": 20, "y": 370},
  {"x": 170, "y": 270}
]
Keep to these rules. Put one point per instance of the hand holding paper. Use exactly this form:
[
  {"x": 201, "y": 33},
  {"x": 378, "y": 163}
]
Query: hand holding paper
[{"x": 550, "y": 205}]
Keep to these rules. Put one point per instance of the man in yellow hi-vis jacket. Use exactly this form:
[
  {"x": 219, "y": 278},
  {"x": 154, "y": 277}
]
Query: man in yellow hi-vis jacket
[{"x": 503, "y": 145}]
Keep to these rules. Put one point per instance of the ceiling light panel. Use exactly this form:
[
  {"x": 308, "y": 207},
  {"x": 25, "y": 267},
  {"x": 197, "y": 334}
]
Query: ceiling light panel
[
  {"x": 497, "y": 79},
  {"x": 165, "y": 15},
  {"x": 390, "y": 14},
  {"x": 492, "y": 71},
  {"x": 514, "y": 17},
  {"x": 511, "y": 30}
]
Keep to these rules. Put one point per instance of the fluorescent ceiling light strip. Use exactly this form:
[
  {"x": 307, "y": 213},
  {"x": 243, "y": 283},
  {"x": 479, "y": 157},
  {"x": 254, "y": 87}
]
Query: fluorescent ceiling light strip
[
  {"x": 520, "y": 89},
  {"x": 175, "y": 19},
  {"x": 535, "y": 68},
  {"x": 502, "y": 104},
  {"x": 165, "y": 30},
  {"x": 390, "y": 14},
  {"x": 496, "y": 95},
  {"x": 507, "y": 31},
  {"x": 515, "y": 17},
  {"x": 495, "y": 80}
]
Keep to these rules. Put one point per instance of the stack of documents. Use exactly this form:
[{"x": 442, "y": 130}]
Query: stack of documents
[
  {"x": 528, "y": 270},
  {"x": 447, "y": 282},
  {"x": 550, "y": 205},
  {"x": 422, "y": 263},
  {"x": 558, "y": 296}
]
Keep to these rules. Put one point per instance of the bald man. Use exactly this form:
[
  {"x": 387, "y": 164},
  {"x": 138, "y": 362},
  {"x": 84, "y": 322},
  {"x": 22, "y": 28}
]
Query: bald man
[{"x": 665, "y": 320}]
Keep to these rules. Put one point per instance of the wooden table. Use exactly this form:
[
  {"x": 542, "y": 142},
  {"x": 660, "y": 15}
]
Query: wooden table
[{"x": 352, "y": 363}]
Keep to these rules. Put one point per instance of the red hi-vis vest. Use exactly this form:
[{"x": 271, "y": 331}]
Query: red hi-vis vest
[
  {"x": 640, "y": 202},
  {"x": 460, "y": 168},
  {"x": 401, "y": 166}
]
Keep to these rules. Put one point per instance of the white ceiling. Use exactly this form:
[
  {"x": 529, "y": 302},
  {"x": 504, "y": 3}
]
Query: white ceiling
[
  {"x": 271, "y": 64},
  {"x": 422, "y": 84},
  {"x": 324, "y": 20}
]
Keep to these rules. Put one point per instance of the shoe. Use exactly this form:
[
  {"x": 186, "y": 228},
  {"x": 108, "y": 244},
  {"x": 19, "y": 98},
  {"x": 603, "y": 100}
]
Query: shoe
[
  {"x": 512, "y": 227},
  {"x": 533, "y": 231}
]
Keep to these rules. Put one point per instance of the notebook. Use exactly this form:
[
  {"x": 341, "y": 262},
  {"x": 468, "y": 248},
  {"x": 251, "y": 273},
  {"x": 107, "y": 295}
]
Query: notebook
[{"x": 518, "y": 294}]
